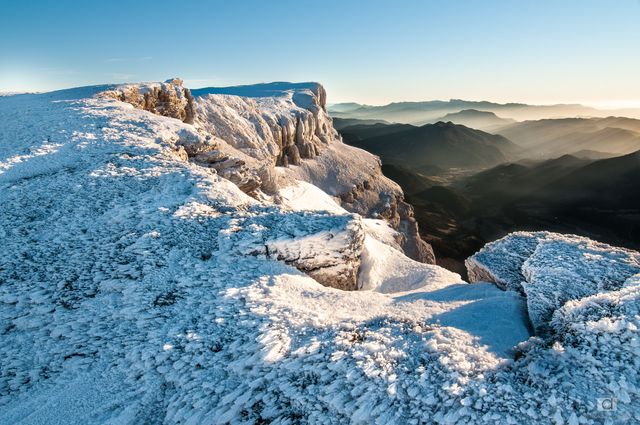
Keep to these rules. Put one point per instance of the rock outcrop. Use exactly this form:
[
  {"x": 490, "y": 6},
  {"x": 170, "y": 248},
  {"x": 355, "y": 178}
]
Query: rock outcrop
[
  {"x": 330, "y": 257},
  {"x": 288, "y": 126},
  {"x": 172, "y": 99},
  {"x": 261, "y": 137},
  {"x": 285, "y": 125},
  {"x": 322, "y": 245},
  {"x": 551, "y": 269},
  {"x": 366, "y": 200},
  {"x": 169, "y": 99}
]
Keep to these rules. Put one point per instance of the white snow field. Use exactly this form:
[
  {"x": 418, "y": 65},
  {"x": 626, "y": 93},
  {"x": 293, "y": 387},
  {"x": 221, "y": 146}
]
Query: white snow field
[{"x": 139, "y": 286}]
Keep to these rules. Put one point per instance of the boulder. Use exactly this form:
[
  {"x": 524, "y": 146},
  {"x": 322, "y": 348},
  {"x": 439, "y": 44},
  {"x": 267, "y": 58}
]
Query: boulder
[
  {"x": 551, "y": 269},
  {"x": 324, "y": 246},
  {"x": 330, "y": 257}
]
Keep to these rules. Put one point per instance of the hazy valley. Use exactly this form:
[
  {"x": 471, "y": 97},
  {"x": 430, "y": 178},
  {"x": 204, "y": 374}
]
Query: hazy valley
[{"x": 474, "y": 176}]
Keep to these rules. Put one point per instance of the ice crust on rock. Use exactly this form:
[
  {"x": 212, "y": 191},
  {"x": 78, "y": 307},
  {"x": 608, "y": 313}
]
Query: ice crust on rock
[
  {"x": 551, "y": 269},
  {"x": 501, "y": 261}
]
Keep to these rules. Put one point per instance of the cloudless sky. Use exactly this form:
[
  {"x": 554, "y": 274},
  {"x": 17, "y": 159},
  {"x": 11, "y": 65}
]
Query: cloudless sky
[{"x": 536, "y": 51}]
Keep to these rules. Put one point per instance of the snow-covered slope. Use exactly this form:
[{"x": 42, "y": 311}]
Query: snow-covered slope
[{"x": 141, "y": 284}]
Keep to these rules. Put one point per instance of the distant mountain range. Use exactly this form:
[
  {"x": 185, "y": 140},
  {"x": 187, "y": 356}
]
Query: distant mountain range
[
  {"x": 590, "y": 138},
  {"x": 340, "y": 123},
  {"x": 598, "y": 198},
  {"x": 567, "y": 194},
  {"x": 424, "y": 112},
  {"x": 468, "y": 186},
  {"x": 604, "y": 191},
  {"x": 411, "y": 182},
  {"x": 441, "y": 145},
  {"x": 550, "y": 138},
  {"x": 505, "y": 183},
  {"x": 358, "y": 130}
]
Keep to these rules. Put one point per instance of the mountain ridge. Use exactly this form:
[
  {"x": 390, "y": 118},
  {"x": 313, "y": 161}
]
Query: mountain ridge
[
  {"x": 440, "y": 144},
  {"x": 425, "y": 111},
  {"x": 478, "y": 119}
]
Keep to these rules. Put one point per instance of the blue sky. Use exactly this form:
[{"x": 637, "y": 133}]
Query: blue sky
[{"x": 367, "y": 51}]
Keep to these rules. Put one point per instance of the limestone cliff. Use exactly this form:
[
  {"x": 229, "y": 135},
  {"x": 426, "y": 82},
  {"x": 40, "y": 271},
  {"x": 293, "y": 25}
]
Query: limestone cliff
[
  {"x": 286, "y": 126},
  {"x": 263, "y": 138}
]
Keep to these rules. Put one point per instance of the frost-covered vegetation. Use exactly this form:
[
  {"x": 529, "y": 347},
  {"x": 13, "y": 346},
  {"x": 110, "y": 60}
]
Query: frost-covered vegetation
[{"x": 139, "y": 285}]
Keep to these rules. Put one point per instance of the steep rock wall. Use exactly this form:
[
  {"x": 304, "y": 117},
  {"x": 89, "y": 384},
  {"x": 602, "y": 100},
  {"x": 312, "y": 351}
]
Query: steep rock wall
[
  {"x": 289, "y": 126},
  {"x": 262, "y": 137},
  {"x": 286, "y": 126}
]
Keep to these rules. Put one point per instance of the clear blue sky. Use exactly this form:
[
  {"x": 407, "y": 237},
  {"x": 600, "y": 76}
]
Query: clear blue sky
[{"x": 367, "y": 51}]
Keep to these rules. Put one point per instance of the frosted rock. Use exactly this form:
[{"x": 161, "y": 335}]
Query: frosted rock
[
  {"x": 243, "y": 132},
  {"x": 332, "y": 257},
  {"x": 501, "y": 261},
  {"x": 289, "y": 125},
  {"x": 551, "y": 269},
  {"x": 169, "y": 99}
]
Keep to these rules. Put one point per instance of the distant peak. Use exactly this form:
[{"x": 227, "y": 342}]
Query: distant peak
[
  {"x": 471, "y": 112},
  {"x": 443, "y": 124}
]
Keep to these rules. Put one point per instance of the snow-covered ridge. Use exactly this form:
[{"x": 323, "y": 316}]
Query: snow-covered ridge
[
  {"x": 139, "y": 284},
  {"x": 286, "y": 125},
  {"x": 13, "y": 93},
  {"x": 264, "y": 137}
]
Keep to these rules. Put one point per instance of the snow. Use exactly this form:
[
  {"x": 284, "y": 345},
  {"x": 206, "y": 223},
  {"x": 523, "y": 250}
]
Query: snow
[
  {"x": 294, "y": 115},
  {"x": 262, "y": 126},
  {"x": 138, "y": 287},
  {"x": 347, "y": 165},
  {"x": 300, "y": 195},
  {"x": 14, "y": 93},
  {"x": 387, "y": 270}
]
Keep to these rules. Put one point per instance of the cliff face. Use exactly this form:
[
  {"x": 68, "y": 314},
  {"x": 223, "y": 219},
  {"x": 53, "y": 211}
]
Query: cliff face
[
  {"x": 370, "y": 198},
  {"x": 263, "y": 138},
  {"x": 286, "y": 128}
]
